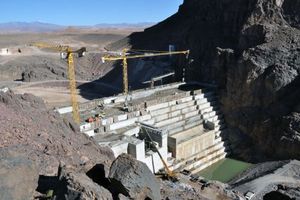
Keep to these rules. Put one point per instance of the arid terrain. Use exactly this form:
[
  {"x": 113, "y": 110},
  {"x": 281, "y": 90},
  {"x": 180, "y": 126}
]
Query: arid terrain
[
  {"x": 249, "y": 50},
  {"x": 43, "y": 73}
]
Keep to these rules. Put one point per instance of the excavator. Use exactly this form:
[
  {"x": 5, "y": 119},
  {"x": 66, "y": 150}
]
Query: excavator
[
  {"x": 125, "y": 55},
  {"x": 168, "y": 173},
  {"x": 66, "y": 52}
]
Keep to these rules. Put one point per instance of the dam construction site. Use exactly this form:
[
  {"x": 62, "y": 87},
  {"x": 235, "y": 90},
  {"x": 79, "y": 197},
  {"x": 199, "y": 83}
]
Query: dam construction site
[
  {"x": 186, "y": 124},
  {"x": 202, "y": 105}
]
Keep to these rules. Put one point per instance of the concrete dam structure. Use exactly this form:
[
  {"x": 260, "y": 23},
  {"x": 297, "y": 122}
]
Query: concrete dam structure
[{"x": 186, "y": 125}]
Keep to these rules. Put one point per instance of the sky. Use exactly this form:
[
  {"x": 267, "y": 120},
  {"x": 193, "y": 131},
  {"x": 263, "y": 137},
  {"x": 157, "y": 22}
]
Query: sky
[{"x": 87, "y": 12}]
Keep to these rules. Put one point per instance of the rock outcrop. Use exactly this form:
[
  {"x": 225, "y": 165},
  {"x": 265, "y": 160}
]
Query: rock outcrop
[
  {"x": 48, "y": 140},
  {"x": 133, "y": 178},
  {"x": 251, "y": 49},
  {"x": 78, "y": 186},
  {"x": 18, "y": 176}
]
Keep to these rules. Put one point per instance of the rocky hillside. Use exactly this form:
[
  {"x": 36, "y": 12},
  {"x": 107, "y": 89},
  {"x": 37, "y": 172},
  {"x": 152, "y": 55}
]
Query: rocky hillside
[
  {"x": 28, "y": 127},
  {"x": 43, "y": 67},
  {"x": 251, "y": 49},
  {"x": 35, "y": 143},
  {"x": 44, "y": 156}
]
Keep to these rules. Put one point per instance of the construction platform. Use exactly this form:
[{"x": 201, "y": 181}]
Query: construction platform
[{"x": 185, "y": 122}]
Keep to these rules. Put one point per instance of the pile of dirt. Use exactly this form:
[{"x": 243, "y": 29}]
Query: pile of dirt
[{"x": 250, "y": 48}]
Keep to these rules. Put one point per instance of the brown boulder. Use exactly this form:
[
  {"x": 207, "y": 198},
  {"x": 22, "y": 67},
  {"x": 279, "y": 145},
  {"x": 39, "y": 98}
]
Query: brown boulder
[{"x": 133, "y": 178}]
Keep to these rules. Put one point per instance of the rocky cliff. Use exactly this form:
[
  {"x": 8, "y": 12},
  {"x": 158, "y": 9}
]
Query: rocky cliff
[
  {"x": 35, "y": 143},
  {"x": 251, "y": 49}
]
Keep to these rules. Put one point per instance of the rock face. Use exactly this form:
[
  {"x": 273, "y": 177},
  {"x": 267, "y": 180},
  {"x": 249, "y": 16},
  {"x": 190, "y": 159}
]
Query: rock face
[
  {"x": 78, "y": 186},
  {"x": 45, "y": 141},
  {"x": 18, "y": 176},
  {"x": 251, "y": 49},
  {"x": 133, "y": 178},
  {"x": 48, "y": 140}
]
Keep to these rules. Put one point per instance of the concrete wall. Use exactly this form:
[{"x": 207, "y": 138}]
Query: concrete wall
[
  {"x": 120, "y": 148},
  {"x": 137, "y": 150},
  {"x": 153, "y": 161},
  {"x": 184, "y": 148}
]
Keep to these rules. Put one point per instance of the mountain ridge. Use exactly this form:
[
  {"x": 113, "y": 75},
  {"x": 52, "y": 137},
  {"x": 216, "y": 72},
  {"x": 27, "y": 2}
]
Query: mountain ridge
[{"x": 42, "y": 27}]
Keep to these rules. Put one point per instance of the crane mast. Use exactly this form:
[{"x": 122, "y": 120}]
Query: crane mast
[
  {"x": 125, "y": 72},
  {"x": 71, "y": 72},
  {"x": 72, "y": 83}
]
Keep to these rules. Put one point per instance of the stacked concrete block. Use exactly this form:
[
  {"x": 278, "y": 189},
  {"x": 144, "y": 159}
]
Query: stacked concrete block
[
  {"x": 132, "y": 131},
  {"x": 180, "y": 115},
  {"x": 121, "y": 147},
  {"x": 122, "y": 124},
  {"x": 137, "y": 149}
]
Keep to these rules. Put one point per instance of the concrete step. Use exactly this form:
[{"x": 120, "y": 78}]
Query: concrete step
[
  {"x": 188, "y": 118},
  {"x": 219, "y": 122},
  {"x": 178, "y": 101},
  {"x": 215, "y": 118},
  {"x": 158, "y": 106},
  {"x": 172, "y": 108},
  {"x": 201, "y": 101},
  {"x": 190, "y": 137},
  {"x": 220, "y": 127},
  {"x": 187, "y": 111},
  {"x": 185, "y": 99},
  {"x": 206, "y": 110},
  {"x": 199, "y": 96},
  {"x": 208, "y": 163},
  {"x": 169, "y": 121},
  {"x": 182, "y": 163},
  {"x": 221, "y": 133},
  {"x": 182, "y": 125},
  {"x": 208, "y": 115},
  {"x": 204, "y": 161},
  {"x": 149, "y": 122},
  {"x": 203, "y": 105},
  {"x": 128, "y": 122}
]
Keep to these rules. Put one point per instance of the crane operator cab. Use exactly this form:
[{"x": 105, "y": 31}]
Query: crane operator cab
[{"x": 80, "y": 53}]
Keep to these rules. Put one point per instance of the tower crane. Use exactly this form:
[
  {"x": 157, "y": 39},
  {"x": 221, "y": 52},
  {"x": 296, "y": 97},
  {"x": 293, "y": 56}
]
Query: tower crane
[
  {"x": 124, "y": 56},
  {"x": 66, "y": 52}
]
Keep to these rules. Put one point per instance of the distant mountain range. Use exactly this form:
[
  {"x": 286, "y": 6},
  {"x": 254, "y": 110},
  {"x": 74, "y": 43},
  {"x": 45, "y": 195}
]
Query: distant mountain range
[{"x": 40, "y": 27}]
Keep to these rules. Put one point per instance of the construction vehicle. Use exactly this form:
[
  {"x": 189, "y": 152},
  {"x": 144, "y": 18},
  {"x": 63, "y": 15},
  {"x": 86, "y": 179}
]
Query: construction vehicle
[
  {"x": 169, "y": 174},
  {"x": 125, "y": 55},
  {"x": 66, "y": 52}
]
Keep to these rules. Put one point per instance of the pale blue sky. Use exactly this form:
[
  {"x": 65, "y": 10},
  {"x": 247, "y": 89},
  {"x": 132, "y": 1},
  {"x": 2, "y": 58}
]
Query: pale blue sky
[{"x": 89, "y": 12}]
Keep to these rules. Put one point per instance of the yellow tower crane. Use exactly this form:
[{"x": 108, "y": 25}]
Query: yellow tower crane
[
  {"x": 67, "y": 53},
  {"x": 146, "y": 53}
]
